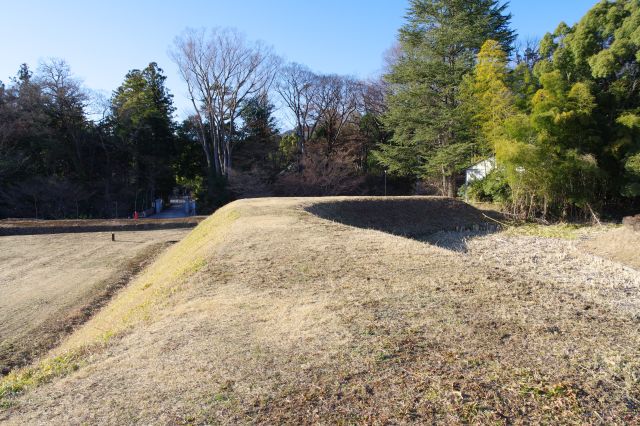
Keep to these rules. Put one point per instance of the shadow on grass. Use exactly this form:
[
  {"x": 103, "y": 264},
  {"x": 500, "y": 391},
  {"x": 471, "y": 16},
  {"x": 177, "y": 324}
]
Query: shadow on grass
[
  {"x": 440, "y": 221},
  {"x": 454, "y": 240}
]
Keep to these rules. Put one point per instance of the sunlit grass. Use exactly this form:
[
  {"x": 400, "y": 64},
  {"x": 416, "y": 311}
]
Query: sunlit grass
[
  {"x": 21, "y": 380},
  {"x": 565, "y": 231},
  {"x": 137, "y": 303}
]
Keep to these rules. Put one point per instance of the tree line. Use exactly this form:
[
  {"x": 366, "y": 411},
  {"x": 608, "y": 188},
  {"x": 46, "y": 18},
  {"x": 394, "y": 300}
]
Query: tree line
[
  {"x": 335, "y": 118},
  {"x": 559, "y": 118},
  {"x": 65, "y": 153}
]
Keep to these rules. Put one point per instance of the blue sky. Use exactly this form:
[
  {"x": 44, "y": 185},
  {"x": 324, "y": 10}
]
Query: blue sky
[{"x": 102, "y": 40}]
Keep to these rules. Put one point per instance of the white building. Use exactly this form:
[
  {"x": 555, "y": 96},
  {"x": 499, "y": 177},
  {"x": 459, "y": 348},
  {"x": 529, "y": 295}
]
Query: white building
[{"x": 480, "y": 170}]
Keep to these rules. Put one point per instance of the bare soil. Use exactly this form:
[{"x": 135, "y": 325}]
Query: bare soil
[
  {"x": 50, "y": 284},
  {"x": 270, "y": 314}
]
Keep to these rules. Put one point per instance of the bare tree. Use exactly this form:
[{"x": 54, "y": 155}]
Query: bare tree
[
  {"x": 297, "y": 86},
  {"x": 338, "y": 100},
  {"x": 527, "y": 51},
  {"x": 327, "y": 101},
  {"x": 66, "y": 99},
  {"x": 221, "y": 70},
  {"x": 391, "y": 57},
  {"x": 374, "y": 97}
]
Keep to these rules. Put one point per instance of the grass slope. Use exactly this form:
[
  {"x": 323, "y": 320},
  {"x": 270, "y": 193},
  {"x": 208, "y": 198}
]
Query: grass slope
[
  {"x": 267, "y": 313},
  {"x": 50, "y": 284}
]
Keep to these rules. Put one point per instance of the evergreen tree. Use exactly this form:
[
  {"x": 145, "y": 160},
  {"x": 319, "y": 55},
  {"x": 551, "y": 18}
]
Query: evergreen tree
[
  {"x": 544, "y": 153},
  {"x": 567, "y": 134},
  {"x": 141, "y": 117},
  {"x": 430, "y": 128},
  {"x": 259, "y": 124}
]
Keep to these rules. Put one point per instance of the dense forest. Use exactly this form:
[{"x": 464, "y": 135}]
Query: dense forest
[
  {"x": 560, "y": 116},
  {"x": 58, "y": 161}
]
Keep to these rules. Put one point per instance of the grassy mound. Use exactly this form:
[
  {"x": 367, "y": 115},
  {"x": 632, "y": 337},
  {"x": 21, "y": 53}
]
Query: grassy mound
[{"x": 269, "y": 314}]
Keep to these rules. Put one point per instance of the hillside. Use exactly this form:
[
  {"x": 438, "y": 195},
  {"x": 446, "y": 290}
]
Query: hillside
[{"x": 303, "y": 310}]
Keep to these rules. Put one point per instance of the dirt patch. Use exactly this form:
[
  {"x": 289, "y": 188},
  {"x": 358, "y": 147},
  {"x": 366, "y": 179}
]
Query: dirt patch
[
  {"x": 52, "y": 284},
  {"x": 38, "y": 227}
]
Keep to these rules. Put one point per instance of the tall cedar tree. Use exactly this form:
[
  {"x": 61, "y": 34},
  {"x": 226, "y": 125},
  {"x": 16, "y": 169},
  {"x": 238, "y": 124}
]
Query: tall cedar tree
[
  {"x": 142, "y": 111},
  {"x": 439, "y": 43}
]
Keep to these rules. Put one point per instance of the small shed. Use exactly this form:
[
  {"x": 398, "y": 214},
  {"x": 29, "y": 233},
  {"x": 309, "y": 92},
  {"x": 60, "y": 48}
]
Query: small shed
[{"x": 480, "y": 170}]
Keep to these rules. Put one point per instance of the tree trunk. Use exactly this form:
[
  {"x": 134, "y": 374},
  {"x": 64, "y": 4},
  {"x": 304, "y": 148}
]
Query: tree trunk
[
  {"x": 451, "y": 186},
  {"x": 211, "y": 181},
  {"x": 211, "y": 171},
  {"x": 216, "y": 158},
  {"x": 227, "y": 159}
]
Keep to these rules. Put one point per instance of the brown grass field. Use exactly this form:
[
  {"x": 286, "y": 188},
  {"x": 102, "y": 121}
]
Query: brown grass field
[
  {"x": 52, "y": 283},
  {"x": 301, "y": 311},
  {"x": 36, "y": 227}
]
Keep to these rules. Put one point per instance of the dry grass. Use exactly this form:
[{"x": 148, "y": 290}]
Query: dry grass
[
  {"x": 269, "y": 314},
  {"x": 621, "y": 245},
  {"x": 50, "y": 284},
  {"x": 38, "y": 227}
]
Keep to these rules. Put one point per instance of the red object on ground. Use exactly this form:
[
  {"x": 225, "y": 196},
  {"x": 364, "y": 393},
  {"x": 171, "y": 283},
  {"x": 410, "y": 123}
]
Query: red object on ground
[{"x": 135, "y": 215}]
